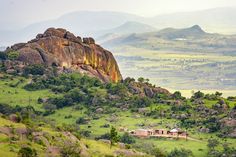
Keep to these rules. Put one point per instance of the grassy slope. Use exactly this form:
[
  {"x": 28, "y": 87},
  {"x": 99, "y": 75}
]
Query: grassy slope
[
  {"x": 18, "y": 96},
  {"x": 125, "y": 119},
  {"x": 8, "y": 149},
  {"x": 182, "y": 71}
]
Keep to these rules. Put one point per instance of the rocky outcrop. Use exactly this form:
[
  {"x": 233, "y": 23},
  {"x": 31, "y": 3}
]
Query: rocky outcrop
[
  {"x": 145, "y": 89},
  {"x": 58, "y": 47}
]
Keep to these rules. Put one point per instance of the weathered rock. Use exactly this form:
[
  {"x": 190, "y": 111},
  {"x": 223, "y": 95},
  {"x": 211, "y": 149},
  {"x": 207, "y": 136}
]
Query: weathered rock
[
  {"x": 148, "y": 92},
  {"x": 14, "y": 118},
  {"x": 145, "y": 89},
  {"x": 99, "y": 110},
  {"x": 61, "y": 48},
  {"x": 204, "y": 130}
]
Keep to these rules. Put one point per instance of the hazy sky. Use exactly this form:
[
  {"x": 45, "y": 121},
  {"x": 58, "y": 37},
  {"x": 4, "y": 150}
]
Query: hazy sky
[{"x": 24, "y": 12}]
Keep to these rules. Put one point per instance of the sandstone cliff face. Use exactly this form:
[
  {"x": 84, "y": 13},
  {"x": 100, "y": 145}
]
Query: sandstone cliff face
[{"x": 61, "y": 48}]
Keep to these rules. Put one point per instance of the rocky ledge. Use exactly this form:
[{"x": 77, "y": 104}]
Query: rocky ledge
[{"x": 58, "y": 47}]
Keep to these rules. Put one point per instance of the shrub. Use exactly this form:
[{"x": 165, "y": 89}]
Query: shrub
[
  {"x": 27, "y": 152},
  {"x": 198, "y": 95},
  {"x": 3, "y": 56},
  {"x": 36, "y": 69},
  {"x": 71, "y": 150},
  {"x": 126, "y": 138},
  {"x": 13, "y": 55},
  {"x": 105, "y": 136},
  {"x": 81, "y": 120},
  {"x": 50, "y": 108},
  {"x": 180, "y": 153}
]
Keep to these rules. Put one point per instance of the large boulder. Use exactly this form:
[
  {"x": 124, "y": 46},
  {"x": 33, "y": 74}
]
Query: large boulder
[{"x": 61, "y": 48}]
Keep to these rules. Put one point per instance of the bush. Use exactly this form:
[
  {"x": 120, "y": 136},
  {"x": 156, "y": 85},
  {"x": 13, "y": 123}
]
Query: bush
[
  {"x": 50, "y": 108},
  {"x": 71, "y": 150},
  {"x": 198, "y": 95},
  {"x": 36, "y": 69},
  {"x": 105, "y": 136},
  {"x": 3, "y": 56},
  {"x": 126, "y": 138},
  {"x": 27, "y": 152},
  {"x": 81, "y": 120},
  {"x": 180, "y": 153},
  {"x": 13, "y": 55}
]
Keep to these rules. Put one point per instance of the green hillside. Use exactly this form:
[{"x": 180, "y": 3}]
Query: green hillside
[{"x": 87, "y": 108}]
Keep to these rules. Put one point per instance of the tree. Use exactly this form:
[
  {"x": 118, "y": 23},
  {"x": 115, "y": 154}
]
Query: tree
[
  {"x": 114, "y": 138},
  {"x": 27, "y": 152},
  {"x": 177, "y": 95},
  {"x": 50, "y": 108},
  {"x": 187, "y": 123},
  {"x": 212, "y": 143},
  {"x": 218, "y": 94},
  {"x": 36, "y": 69},
  {"x": 81, "y": 120},
  {"x": 198, "y": 95},
  {"x": 13, "y": 55},
  {"x": 141, "y": 79},
  {"x": 126, "y": 138}
]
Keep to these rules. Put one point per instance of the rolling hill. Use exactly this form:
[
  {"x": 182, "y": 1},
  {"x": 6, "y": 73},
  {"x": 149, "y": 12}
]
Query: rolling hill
[{"x": 192, "y": 39}]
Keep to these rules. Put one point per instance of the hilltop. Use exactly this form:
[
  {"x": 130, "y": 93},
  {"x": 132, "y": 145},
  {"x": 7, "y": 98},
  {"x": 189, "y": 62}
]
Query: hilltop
[
  {"x": 191, "y": 39},
  {"x": 61, "y": 49}
]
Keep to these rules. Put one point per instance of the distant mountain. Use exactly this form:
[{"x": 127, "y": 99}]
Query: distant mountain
[
  {"x": 171, "y": 33},
  {"x": 220, "y": 20},
  {"x": 192, "y": 39},
  {"x": 126, "y": 28},
  {"x": 97, "y": 24},
  {"x": 84, "y": 23}
]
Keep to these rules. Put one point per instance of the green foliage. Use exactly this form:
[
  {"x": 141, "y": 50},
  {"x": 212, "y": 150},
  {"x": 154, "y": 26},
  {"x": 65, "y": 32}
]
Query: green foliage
[
  {"x": 140, "y": 102},
  {"x": 119, "y": 89},
  {"x": 212, "y": 143},
  {"x": 114, "y": 138},
  {"x": 197, "y": 95},
  {"x": 3, "y": 56},
  {"x": 141, "y": 79},
  {"x": 13, "y": 55},
  {"x": 81, "y": 120},
  {"x": 149, "y": 148},
  {"x": 106, "y": 136},
  {"x": 35, "y": 69},
  {"x": 177, "y": 95},
  {"x": 212, "y": 123},
  {"x": 70, "y": 150},
  {"x": 180, "y": 153},
  {"x": 214, "y": 152},
  {"x": 61, "y": 101},
  {"x": 126, "y": 138},
  {"x": 27, "y": 152},
  {"x": 50, "y": 108}
]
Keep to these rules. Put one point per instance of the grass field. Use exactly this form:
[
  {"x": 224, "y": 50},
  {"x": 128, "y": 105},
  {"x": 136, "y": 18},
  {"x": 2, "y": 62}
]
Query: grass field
[
  {"x": 13, "y": 94},
  {"x": 183, "y": 71},
  {"x": 123, "y": 119}
]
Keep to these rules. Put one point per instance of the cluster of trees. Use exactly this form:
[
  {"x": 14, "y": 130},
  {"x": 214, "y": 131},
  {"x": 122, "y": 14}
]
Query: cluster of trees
[
  {"x": 35, "y": 69},
  {"x": 214, "y": 152},
  {"x": 12, "y": 55},
  {"x": 114, "y": 137}
]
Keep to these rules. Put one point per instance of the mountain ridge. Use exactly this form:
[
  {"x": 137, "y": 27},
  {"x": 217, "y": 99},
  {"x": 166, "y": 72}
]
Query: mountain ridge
[{"x": 213, "y": 20}]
